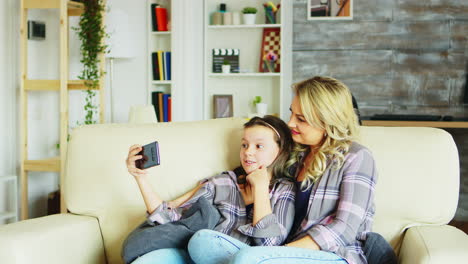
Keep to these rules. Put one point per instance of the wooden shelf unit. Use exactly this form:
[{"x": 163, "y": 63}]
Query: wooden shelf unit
[{"x": 63, "y": 85}]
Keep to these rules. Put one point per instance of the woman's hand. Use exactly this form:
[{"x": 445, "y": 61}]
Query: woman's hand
[
  {"x": 259, "y": 178},
  {"x": 130, "y": 161}
]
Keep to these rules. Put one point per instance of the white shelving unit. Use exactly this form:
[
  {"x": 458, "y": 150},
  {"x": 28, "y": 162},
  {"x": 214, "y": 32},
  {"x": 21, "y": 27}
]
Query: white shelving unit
[
  {"x": 158, "y": 40},
  {"x": 244, "y": 86},
  {"x": 11, "y": 214}
]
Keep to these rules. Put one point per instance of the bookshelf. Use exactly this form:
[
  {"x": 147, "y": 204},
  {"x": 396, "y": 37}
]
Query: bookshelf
[
  {"x": 274, "y": 87},
  {"x": 62, "y": 85},
  {"x": 159, "y": 41}
]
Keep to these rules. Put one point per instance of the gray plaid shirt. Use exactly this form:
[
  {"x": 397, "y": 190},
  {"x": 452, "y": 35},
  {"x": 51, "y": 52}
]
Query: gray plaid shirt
[{"x": 222, "y": 190}]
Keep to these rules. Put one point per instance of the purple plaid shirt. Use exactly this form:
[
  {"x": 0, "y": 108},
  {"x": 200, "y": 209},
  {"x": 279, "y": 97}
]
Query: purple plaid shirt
[
  {"x": 236, "y": 221},
  {"x": 341, "y": 206}
]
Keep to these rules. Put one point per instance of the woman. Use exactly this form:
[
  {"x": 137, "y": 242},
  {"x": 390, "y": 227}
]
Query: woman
[
  {"x": 335, "y": 179},
  {"x": 259, "y": 214}
]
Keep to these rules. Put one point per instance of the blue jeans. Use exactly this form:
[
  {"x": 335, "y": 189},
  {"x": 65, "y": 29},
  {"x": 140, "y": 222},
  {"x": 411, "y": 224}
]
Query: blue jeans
[
  {"x": 165, "y": 256},
  {"x": 211, "y": 247}
]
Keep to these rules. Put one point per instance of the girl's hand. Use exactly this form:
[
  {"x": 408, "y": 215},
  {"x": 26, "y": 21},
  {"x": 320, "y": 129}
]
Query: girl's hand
[
  {"x": 246, "y": 192},
  {"x": 130, "y": 161},
  {"x": 259, "y": 178}
]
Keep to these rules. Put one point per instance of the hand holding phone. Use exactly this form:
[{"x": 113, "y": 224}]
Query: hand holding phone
[{"x": 150, "y": 155}]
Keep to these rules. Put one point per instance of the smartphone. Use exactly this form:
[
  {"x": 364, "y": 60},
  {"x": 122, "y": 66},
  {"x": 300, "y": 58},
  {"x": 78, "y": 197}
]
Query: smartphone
[{"x": 150, "y": 155}]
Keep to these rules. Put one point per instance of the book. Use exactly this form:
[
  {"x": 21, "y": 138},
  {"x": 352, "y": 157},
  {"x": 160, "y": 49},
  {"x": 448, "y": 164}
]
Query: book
[
  {"x": 165, "y": 107},
  {"x": 220, "y": 55},
  {"x": 160, "y": 106},
  {"x": 167, "y": 65},
  {"x": 161, "y": 18},
  {"x": 160, "y": 65},
  {"x": 155, "y": 102},
  {"x": 155, "y": 66},
  {"x": 154, "y": 23},
  {"x": 169, "y": 108},
  {"x": 163, "y": 65}
]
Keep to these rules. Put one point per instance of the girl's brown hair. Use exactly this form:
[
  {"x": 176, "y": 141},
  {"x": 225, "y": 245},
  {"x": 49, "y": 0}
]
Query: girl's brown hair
[{"x": 282, "y": 137}]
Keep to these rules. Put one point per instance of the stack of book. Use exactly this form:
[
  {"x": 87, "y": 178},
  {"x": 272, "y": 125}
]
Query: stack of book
[
  {"x": 158, "y": 17},
  {"x": 162, "y": 105},
  {"x": 161, "y": 64}
]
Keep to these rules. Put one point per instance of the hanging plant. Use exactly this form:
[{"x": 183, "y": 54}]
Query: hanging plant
[{"x": 91, "y": 32}]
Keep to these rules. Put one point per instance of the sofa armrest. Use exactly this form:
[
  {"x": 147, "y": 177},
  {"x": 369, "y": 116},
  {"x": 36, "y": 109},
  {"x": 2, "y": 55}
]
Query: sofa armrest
[
  {"x": 434, "y": 245},
  {"x": 62, "y": 238}
]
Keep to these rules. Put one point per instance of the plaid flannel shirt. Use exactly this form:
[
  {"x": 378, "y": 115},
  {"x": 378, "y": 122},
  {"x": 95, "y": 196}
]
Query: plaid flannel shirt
[
  {"x": 222, "y": 190},
  {"x": 341, "y": 206}
]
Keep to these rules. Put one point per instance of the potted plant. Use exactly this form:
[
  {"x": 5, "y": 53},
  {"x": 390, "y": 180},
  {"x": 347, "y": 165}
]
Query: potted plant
[
  {"x": 91, "y": 32},
  {"x": 226, "y": 67},
  {"x": 249, "y": 15},
  {"x": 260, "y": 107}
]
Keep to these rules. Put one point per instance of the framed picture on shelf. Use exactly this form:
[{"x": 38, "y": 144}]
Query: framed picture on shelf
[
  {"x": 330, "y": 9},
  {"x": 270, "y": 51},
  {"x": 222, "y": 106}
]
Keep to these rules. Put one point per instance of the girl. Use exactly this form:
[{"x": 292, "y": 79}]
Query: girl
[
  {"x": 259, "y": 212},
  {"x": 335, "y": 178}
]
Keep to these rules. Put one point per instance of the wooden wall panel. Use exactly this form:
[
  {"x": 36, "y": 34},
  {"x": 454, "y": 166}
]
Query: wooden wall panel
[
  {"x": 443, "y": 64},
  {"x": 430, "y": 9},
  {"x": 457, "y": 90},
  {"x": 341, "y": 63},
  {"x": 433, "y": 35},
  {"x": 459, "y": 35}
]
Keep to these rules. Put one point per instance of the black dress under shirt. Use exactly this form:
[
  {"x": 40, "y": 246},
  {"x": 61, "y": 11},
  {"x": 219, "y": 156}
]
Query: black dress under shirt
[{"x": 301, "y": 205}]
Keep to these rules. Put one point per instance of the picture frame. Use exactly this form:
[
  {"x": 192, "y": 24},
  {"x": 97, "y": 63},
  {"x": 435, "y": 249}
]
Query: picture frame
[
  {"x": 330, "y": 9},
  {"x": 222, "y": 106}
]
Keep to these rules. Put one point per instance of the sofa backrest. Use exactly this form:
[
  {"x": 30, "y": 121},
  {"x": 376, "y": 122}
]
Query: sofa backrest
[
  {"x": 418, "y": 172},
  {"x": 418, "y": 178}
]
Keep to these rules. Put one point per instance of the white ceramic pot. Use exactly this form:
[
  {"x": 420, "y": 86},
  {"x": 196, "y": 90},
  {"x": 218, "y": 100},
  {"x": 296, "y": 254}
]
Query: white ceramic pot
[
  {"x": 261, "y": 109},
  {"x": 226, "y": 68},
  {"x": 249, "y": 19}
]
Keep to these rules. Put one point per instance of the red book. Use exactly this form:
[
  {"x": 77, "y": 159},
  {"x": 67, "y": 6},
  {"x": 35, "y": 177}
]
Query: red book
[
  {"x": 161, "y": 17},
  {"x": 169, "y": 108}
]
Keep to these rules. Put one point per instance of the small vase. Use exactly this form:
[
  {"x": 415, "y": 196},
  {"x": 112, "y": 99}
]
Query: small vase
[
  {"x": 270, "y": 17},
  {"x": 226, "y": 68},
  {"x": 249, "y": 19},
  {"x": 261, "y": 109},
  {"x": 269, "y": 66}
]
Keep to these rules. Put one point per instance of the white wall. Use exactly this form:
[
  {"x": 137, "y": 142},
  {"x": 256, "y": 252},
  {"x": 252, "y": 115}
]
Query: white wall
[
  {"x": 7, "y": 101},
  {"x": 129, "y": 86}
]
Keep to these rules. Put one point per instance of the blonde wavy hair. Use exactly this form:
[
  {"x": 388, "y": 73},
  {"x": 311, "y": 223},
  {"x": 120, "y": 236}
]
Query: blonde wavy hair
[{"x": 326, "y": 103}]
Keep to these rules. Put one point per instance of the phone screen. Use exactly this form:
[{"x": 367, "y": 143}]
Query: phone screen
[{"x": 150, "y": 155}]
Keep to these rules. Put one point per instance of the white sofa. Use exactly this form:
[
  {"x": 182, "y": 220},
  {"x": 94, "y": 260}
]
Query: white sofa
[{"x": 416, "y": 194}]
